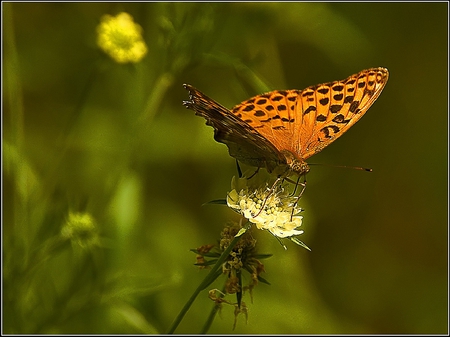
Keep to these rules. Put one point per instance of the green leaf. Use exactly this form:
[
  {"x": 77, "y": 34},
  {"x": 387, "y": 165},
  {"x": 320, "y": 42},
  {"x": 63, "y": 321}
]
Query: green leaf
[
  {"x": 216, "y": 202},
  {"x": 300, "y": 243}
]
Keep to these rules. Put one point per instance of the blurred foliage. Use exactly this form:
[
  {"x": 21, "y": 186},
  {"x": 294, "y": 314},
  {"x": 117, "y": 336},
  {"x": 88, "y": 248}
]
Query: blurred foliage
[{"x": 105, "y": 172}]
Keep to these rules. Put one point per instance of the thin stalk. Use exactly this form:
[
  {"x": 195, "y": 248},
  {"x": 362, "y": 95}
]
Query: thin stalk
[
  {"x": 207, "y": 280},
  {"x": 163, "y": 83},
  {"x": 212, "y": 315}
]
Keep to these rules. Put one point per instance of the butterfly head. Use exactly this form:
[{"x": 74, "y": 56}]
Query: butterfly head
[{"x": 294, "y": 163}]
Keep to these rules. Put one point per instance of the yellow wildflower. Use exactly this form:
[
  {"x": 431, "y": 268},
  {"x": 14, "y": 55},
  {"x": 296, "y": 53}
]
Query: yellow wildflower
[
  {"x": 81, "y": 229},
  {"x": 121, "y": 38}
]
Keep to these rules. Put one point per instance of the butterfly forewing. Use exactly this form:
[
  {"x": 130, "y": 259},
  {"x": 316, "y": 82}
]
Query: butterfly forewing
[{"x": 335, "y": 108}]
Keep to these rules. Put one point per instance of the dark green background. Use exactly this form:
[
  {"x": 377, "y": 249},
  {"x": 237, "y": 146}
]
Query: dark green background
[{"x": 82, "y": 133}]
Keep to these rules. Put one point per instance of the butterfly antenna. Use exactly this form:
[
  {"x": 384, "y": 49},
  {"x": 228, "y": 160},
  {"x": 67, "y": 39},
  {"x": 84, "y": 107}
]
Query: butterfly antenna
[{"x": 367, "y": 169}]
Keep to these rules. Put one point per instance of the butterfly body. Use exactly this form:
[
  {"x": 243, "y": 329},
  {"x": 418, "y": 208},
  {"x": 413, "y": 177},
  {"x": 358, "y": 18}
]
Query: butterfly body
[{"x": 279, "y": 130}]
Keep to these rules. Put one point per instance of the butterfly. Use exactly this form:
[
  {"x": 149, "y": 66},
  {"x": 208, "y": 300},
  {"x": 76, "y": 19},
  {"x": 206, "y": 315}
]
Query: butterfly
[{"x": 279, "y": 130}]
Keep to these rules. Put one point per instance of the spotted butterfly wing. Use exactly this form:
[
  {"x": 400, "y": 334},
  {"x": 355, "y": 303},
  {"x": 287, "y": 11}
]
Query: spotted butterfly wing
[
  {"x": 279, "y": 130},
  {"x": 244, "y": 143}
]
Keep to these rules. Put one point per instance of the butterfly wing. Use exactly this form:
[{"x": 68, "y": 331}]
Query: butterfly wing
[
  {"x": 272, "y": 115},
  {"x": 328, "y": 110},
  {"x": 282, "y": 128},
  {"x": 244, "y": 142},
  {"x": 304, "y": 122}
]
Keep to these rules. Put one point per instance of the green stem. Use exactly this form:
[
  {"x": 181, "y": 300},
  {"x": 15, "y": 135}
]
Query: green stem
[
  {"x": 13, "y": 87},
  {"x": 207, "y": 280},
  {"x": 212, "y": 315},
  {"x": 160, "y": 88},
  {"x": 242, "y": 70}
]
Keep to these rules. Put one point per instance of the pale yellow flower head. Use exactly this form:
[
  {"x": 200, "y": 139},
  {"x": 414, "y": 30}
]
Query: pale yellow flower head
[
  {"x": 81, "y": 229},
  {"x": 121, "y": 38},
  {"x": 271, "y": 209}
]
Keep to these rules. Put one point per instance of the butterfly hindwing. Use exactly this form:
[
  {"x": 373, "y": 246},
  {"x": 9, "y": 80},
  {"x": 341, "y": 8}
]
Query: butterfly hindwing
[
  {"x": 272, "y": 115},
  {"x": 244, "y": 143}
]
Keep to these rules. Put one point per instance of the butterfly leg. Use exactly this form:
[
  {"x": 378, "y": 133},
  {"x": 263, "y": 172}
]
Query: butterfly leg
[
  {"x": 303, "y": 184},
  {"x": 257, "y": 170},
  {"x": 271, "y": 190},
  {"x": 296, "y": 183},
  {"x": 239, "y": 169}
]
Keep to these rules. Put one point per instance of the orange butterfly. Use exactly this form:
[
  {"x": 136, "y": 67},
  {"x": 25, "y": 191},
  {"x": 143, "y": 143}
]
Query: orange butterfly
[{"x": 279, "y": 130}]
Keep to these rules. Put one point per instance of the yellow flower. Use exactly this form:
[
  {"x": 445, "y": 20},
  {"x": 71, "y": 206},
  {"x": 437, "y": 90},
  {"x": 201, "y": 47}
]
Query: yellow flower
[
  {"x": 121, "y": 38},
  {"x": 81, "y": 229},
  {"x": 271, "y": 209}
]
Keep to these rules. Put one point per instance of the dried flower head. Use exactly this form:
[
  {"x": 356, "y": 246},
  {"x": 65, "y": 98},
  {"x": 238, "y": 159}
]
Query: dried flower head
[{"x": 241, "y": 257}]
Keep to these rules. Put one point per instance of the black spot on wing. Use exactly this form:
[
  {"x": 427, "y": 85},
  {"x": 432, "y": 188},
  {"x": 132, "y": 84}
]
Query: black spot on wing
[
  {"x": 353, "y": 106},
  {"x": 259, "y": 113},
  {"x": 349, "y": 99},
  {"x": 311, "y": 108},
  {"x": 328, "y": 129},
  {"x": 335, "y": 108},
  {"x": 340, "y": 119},
  {"x": 261, "y": 101},
  {"x": 324, "y": 101}
]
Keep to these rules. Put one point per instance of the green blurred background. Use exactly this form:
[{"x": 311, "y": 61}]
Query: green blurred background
[{"x": 83, "y": 134}]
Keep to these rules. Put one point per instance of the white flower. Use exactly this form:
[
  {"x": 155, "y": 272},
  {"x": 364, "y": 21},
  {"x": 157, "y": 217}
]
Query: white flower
[{"x": 271, "y": 209}]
